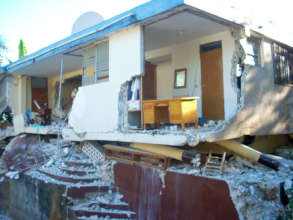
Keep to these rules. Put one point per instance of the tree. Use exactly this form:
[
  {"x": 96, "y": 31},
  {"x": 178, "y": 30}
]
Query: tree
[
  {"x": 21, "y": 49},
  {"x": 3, "y": 49}
]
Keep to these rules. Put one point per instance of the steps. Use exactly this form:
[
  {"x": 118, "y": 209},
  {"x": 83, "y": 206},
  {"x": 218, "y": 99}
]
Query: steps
[
  {"x": 87, "y": 195},
  {"x": 214, "y": 165},
  {"x": 109, "y": 206}
]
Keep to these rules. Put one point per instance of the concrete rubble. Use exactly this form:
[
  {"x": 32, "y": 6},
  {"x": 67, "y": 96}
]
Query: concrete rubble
[{"x": 254, "y": 188}]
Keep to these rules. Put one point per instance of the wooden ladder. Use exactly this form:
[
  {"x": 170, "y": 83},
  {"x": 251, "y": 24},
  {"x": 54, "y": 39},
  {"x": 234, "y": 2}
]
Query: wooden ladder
[{"x": 214, "y": 164}]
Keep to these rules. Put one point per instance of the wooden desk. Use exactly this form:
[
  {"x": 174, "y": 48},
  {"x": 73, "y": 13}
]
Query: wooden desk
[{"x": 173, "y": 111}]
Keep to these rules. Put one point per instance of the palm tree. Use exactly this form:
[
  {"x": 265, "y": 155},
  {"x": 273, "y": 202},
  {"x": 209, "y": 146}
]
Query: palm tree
[{"x": 21, "y": 49}]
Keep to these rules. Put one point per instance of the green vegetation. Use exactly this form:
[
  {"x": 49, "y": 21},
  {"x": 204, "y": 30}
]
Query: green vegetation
[{"x": 22, "y": 51}]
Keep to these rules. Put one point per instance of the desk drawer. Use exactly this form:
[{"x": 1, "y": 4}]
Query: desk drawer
[
  {"x": 175, "y": 112},
  {"x": 148, "y": 113}
]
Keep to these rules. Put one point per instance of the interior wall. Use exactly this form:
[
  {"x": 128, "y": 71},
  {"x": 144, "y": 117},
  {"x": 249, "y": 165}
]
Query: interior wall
[
  {"x": 29, "y": 92},
  {"x": 165, "y": 80},
  {"x": 187, "y": 55},
  {"x": 95, "y": 107},
  {"x": 23, "y": 93},
  {"x": 52, "y": 96}
]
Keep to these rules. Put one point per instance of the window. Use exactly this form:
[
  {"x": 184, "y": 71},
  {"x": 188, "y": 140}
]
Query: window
[
  {"x": 88, "y": 67},
  {"x": 283, "y": 65},
  {"x": 102, "y": 61},
  {"x": 95, "y": 63},
  {"x": 253, "y": 51}
]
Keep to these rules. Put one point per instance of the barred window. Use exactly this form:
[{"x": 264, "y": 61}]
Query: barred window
[{"x": 283, "y": 65}]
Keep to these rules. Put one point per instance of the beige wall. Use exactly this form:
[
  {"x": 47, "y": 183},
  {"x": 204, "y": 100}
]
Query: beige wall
[
  {"x": 267, "y": 106},
  {"x": 165, "y": 80},
  {"x": 22, "y": 98},
  {"x": 187, "y": 55},
  {"x": 52, "y": 96}
]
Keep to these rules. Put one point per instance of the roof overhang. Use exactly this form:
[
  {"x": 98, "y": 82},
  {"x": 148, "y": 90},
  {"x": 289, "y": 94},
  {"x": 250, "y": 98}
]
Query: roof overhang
[
  {"x": 46, "y": 62},
  {"x": 89, "y": 35},
  {"x": 260, "y": 35}
]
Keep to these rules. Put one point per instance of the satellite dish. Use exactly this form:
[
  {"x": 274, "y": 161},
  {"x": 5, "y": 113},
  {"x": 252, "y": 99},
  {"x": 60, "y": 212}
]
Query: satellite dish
[{"x": 86, "y": 20}]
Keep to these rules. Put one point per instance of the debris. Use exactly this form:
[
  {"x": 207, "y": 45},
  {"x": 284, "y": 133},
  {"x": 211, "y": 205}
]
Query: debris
[
  {"x": 65, "y": 151},
  {"x": 49, "y": 163},
  {"x": 93, "y": 152},
  {"x": 12, "y": 175},
  {"x": 214, "y": 164},
  {"x": 252, "y": 189},
  {"x": 162, "y": 174},
  {"x": 196, "y": 160},
  {"x": 211, "y": 123},
  {"x": 285, "y": 151},
  {"x": 22, "y": 153},
  {"x": 136, "y": 156}
]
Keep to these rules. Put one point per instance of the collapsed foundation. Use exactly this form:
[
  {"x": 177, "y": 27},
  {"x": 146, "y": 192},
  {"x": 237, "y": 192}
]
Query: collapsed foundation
[{"x": 81, "y": 182}]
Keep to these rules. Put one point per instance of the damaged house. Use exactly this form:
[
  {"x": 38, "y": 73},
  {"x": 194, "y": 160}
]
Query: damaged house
[
  {"x": 191, "y": 75},
  {"x": 163, "y": 73}
]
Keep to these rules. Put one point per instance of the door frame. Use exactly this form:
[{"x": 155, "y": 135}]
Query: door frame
[{"x": 220, "y": 113}]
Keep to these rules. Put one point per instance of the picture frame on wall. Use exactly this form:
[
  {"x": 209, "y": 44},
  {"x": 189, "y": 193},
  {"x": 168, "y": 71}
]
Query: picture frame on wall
[{"x": 180, "y": 78}]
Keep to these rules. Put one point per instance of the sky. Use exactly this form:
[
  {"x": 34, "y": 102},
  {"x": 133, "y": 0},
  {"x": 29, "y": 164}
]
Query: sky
[{"x": 40, "y": 23}]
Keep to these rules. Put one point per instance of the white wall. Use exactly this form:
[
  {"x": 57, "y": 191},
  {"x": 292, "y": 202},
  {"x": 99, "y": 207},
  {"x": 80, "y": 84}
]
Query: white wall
[
  {"x": 95, "y": 107},
  {"x": 165, "y": 80},
  {"x": 22, "y": 99},
  {"x": 187, "y": 55}
]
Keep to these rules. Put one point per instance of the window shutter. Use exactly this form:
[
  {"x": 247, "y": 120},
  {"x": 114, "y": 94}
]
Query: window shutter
[
  {"x": 89, "y": 58},
  {"x": 102, "y": 60},
  {"x": 88, "y": 64}
]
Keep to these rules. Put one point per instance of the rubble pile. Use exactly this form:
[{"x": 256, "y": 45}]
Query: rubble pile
[
  {"x": 254, "y": 188},
  {"x": 90, "y": 192},
  {"x": 22, "y": 153},
  {"x": 89, "y": 179}
]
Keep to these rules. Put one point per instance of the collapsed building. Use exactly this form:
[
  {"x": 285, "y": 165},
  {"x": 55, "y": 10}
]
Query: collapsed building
[{"x": 164, "y": 80}]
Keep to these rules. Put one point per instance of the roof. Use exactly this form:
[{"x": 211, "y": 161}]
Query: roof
[{"x": 136, "y": 15}]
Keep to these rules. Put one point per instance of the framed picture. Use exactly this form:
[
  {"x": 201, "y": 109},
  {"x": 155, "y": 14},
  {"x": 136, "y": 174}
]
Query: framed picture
[{"x": 180, "y": 78}]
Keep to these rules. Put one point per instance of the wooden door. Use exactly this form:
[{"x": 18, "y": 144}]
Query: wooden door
[
  {"x": 39, "y": 92},
  {"x": 212, "y": 81},
  {"x": 149, "y": 82}
]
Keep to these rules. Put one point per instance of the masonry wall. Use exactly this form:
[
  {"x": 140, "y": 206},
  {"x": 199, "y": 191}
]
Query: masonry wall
[
  {"x": 95, "y": 108},
  {"x": 267, "y": 106},
  {"x": 187, "y": 55}
]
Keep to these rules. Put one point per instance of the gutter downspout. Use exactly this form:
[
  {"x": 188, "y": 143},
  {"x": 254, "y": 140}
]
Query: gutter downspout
[
  {"x": 59, "y": 106},
  {"x": 250, "y": 153}
]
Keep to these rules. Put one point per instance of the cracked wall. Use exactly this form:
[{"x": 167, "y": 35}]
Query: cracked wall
[{"x": 265, "y": 106}]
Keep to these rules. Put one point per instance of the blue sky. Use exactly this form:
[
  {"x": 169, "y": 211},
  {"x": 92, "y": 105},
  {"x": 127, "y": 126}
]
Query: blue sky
[{"x": 42, "y": 22}]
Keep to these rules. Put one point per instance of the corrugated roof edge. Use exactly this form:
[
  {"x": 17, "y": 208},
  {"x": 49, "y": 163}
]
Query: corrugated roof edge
[{"x": 140, "y": 12}]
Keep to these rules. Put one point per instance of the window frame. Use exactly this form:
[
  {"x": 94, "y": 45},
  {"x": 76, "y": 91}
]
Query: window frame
[
  {"x": 99, "y": 76},
  {"x": 282, "y": 64}
]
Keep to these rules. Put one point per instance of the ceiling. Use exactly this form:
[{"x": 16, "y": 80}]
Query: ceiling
[
  {"x": 178, "y": 28},
  {"x": 51, "y": 65}
]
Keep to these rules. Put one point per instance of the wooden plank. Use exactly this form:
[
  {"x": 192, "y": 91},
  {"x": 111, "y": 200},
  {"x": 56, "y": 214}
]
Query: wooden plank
[
  {"x": 136, "y": 156},
  {"x": 127, "y": 150}
]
